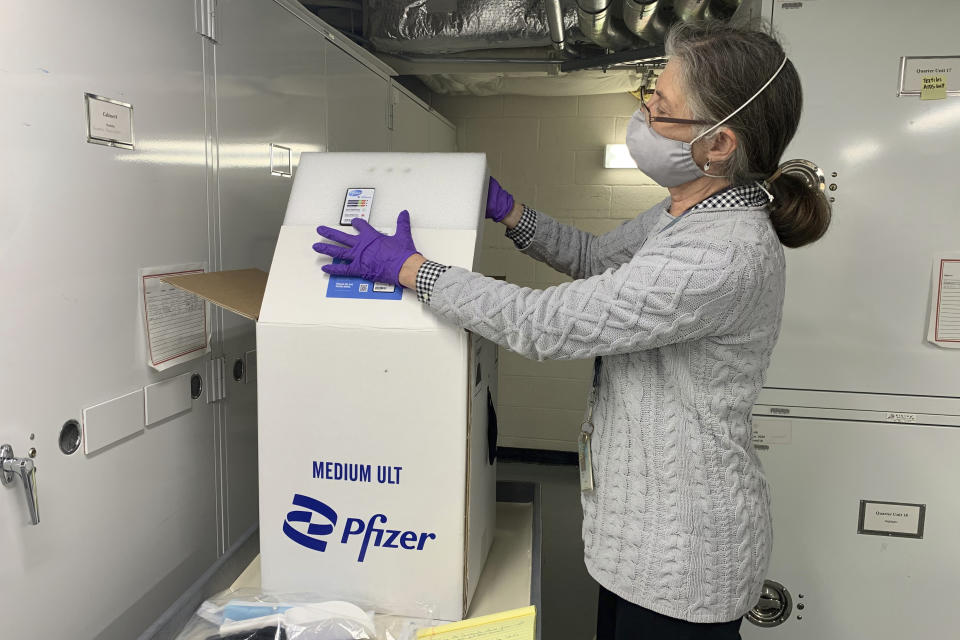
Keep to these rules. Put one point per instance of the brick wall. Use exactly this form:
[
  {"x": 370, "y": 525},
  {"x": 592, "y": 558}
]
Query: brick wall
[{"x": 548, "y": 152}]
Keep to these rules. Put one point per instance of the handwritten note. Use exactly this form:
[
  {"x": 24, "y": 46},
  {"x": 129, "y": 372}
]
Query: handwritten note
[
  {"x": 944, "y": 326},
  {"x": 518, "y": 624},
  {"x": 175, "y": 321},
  {"x": 933, "y": 88}
]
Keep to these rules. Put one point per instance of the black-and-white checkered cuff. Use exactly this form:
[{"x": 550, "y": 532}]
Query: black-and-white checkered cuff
[
  {"x": 522, "y": 234},
  {"x": 427, "y": 277}
]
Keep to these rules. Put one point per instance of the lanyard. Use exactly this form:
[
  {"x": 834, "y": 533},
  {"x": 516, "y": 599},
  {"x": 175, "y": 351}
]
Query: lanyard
[{"x": 584, "y": 448}]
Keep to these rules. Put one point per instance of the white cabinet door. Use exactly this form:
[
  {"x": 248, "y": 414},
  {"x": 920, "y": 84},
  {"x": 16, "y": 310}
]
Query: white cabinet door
[
  {"x": 356, "y": 104},
  {"x": 441, "y": 134},
  {"x": 857, "y": 301},
  {"x": 417, "y": 129},
  {"x": 857, "y": 585},
  {"x": 125, "y": 530},
  {"x": 271, "y": 101},
  {"x": 411, "y": 124}
]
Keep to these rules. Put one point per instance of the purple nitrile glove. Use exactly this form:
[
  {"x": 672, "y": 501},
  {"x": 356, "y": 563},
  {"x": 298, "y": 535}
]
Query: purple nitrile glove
[
  {"x": 371, "y": 255},
  {"x": 499, "y": 202}
]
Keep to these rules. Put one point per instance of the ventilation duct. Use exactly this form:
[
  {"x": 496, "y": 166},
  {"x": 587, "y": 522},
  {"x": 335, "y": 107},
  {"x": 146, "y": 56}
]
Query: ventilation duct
[
  {"x": 630, "y": 24},
  {"x": 450, "y": 26},
  {"x": 643, "y": 19},
  {"x": 425, "y": 27},
  {"x": 599, "y": 22},
  {"x": 690, "y": 10},
  {"x": 531, "y": 47},
  {"x": 721, "y": 9}
]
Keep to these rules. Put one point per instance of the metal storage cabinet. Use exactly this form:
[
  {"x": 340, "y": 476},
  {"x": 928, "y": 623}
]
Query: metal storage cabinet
[
  {"x": 271, "y": 105},
  {"x": 852, "y": 369},
  {"x": 125, "y": 530},
  {"x": 122, "y": 531},
  {"x": 414, "y": 127},
  {"x": 857, "y": 300},
  {"x": 861, "y": 586},
  {"x": 357, "y": 101}
]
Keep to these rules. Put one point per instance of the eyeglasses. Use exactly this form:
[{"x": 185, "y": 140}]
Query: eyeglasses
[{"x": 652, "y": 118}]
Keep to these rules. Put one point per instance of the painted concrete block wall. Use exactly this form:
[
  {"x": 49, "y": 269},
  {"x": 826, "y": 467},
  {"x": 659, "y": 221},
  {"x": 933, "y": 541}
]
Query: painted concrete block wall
[{"x": 548, "y": 152}]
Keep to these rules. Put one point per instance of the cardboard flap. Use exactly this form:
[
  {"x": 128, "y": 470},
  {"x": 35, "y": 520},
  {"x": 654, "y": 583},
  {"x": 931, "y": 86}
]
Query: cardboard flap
[{"x": 240, "y": 291}]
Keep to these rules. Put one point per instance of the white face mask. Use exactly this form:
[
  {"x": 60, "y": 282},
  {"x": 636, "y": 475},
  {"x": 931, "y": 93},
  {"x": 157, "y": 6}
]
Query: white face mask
[{"x": 670, "y": 162}]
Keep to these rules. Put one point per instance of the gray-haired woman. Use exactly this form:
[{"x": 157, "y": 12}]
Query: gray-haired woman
[{"x": 681, "y": 308}]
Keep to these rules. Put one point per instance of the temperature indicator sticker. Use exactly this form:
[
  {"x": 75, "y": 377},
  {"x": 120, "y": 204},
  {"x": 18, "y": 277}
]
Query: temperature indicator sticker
[{"x": 357, "y": 204}]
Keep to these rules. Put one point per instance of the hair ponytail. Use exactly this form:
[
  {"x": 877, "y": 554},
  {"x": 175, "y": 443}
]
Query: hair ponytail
[{"x": 800, "y": 213}]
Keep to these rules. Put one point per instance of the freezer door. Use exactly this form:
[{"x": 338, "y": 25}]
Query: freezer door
[
  {"x": 125, "y": 530},
  {"x": 845, "y": 584},
  {"x": 856, "y": 303},
  {"x": 271, "y": 101}
]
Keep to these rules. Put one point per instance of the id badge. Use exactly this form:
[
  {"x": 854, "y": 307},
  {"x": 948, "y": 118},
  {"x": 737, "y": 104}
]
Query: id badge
[{"x": 586, "y": 462}]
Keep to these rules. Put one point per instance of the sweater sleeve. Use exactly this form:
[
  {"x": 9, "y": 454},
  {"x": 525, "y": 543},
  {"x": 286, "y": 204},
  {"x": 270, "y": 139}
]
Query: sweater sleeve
[
  {"x": 580, "y": 254},
  {"x": 660, "y": 297}
]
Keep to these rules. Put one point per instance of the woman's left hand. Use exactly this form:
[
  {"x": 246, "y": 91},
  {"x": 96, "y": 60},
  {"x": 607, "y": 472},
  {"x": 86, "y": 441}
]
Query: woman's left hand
[{"x": 369, "y": 254}]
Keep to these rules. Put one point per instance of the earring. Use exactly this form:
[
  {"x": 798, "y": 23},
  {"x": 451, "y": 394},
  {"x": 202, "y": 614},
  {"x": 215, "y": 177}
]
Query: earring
[{"x": 706, "y": 167}]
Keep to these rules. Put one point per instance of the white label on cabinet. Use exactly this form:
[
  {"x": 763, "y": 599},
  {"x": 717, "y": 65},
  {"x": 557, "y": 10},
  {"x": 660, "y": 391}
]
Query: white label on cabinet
[
  {"x": 913, "y": 69},
  {"x": 767, "y": 431},
  {"x": 109, "y": 121},
  {"x": 903, "y": 418},
  {"x": 892, "y": 519}
]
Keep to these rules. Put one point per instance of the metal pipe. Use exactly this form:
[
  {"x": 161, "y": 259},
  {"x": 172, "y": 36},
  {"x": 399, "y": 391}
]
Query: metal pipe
[
  {"x": 555, "y": 25},
  {"x": 722, "y": 9},
  {"x": 597, "y": 22},
  {"x": 690, "y": 10},
  {"x": 638, "y": 17}
]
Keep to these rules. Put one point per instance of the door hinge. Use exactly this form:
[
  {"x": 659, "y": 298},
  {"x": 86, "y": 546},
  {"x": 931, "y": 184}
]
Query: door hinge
[
  {"x": 216, "y": 386},
  {"x": 206, "y": 12}
]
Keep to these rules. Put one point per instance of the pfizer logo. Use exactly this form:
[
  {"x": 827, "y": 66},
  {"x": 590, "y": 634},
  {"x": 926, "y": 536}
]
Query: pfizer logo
[{"x": 353, "y": 193}]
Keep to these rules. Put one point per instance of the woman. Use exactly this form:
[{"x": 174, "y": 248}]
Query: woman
[{"x": 681, "y": 308}]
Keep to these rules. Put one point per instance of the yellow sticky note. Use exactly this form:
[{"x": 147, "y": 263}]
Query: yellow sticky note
[
  {"x": 518, "y": 624},
  {"x": 933, "y": 88}
]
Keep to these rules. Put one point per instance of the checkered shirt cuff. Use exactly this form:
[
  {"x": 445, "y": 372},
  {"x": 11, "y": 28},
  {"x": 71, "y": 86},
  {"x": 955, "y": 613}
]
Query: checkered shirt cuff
[
  {"x": 426, "y": 277},
  {"x": 522, "y": 234}
]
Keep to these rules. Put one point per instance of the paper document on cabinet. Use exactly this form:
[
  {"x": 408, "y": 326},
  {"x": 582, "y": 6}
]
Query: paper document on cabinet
[
  {"x": 175, "y": 321},
  {"x": 518, "y": 624},
  {"x": 944, "y": 328}
]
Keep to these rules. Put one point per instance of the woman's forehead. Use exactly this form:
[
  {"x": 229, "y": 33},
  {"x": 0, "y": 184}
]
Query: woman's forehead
[
  {"x": 667, "y": 82},
  {"x": 669, "y": 87}
]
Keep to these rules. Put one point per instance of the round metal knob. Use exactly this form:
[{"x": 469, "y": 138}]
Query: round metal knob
[
  {"x": 774, "y": 606},
  {"x": 806, "y": 171}
]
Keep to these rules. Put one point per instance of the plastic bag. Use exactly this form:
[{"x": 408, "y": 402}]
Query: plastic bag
[{"x": 247, "y": 614}]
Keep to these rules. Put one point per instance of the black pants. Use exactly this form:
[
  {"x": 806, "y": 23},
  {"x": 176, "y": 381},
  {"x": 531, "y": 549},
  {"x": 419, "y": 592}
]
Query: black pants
[{"x": 618, "y": 619}]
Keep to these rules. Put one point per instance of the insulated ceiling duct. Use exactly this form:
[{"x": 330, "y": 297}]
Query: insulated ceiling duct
[
  {"x": 425, "y": 27},
  {"x": 448, "y": 26},
  {"x": 522, "y": 46}
]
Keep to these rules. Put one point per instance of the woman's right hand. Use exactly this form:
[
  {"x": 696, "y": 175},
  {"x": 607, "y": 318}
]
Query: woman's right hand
[{"x": 499, "y": 201}]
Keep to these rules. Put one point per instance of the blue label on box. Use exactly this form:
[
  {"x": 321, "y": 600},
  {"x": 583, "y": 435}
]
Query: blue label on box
[{"x": 343, "y": 287}]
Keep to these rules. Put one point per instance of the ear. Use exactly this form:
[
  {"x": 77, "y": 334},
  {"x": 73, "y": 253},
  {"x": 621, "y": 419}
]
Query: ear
[{"x": 722, "y": 145}]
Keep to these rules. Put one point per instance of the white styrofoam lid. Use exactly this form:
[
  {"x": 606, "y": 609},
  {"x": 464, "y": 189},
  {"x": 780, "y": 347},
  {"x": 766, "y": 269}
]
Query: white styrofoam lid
[
  {"x": 445, "y": 194},
  {"x": 440, "y": 190}
]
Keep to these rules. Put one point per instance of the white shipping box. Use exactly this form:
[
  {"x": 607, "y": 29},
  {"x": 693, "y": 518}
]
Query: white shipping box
[{"x": 377, "y": 481}]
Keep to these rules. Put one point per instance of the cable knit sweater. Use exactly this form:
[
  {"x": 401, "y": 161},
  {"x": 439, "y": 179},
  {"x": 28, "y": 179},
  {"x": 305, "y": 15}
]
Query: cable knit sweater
[{"x": 685, "y": 319}]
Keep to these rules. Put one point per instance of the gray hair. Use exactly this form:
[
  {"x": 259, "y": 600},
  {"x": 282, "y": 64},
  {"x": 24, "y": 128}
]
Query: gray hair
[{"x": 720, "y": 66}]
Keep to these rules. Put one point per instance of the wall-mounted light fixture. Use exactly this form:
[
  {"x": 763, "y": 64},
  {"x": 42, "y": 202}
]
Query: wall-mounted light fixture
[{"x": 616, "y": 156}]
